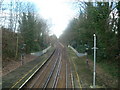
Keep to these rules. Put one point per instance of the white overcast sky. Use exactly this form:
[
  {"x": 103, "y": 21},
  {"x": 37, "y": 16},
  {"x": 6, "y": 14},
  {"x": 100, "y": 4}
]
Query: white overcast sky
[{"x": 57, "y": 12}]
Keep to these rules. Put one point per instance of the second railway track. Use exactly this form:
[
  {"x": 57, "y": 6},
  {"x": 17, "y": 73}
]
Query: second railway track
[{"x": 55, "y": 73}]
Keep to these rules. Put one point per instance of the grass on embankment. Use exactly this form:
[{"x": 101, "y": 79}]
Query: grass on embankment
[
  {"x": 103, "y": 79},
  {"x": 84, "y": 73},
  {"x": 110, "y": 68}
]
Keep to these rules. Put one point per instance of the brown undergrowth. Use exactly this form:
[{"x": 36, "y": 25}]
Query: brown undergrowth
[{"x": 85, "y": 72}]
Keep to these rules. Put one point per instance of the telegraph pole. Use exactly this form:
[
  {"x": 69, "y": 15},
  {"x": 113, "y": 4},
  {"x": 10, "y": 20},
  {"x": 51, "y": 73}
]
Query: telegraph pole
[{"x": 94, "y": 71}]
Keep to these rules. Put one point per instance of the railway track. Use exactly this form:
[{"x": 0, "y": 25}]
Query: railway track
[
  {"x": 41, "y": 74},
  {"x": 54, "y": 78},
  {"x": 39, "y": 79},
  {"x": 55, "y": 73}
]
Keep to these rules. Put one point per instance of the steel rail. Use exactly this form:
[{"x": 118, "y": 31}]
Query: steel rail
[
  {"x": 40, "y": 74},
  {"x": 44, "y": 72},
  {"x": 23, "y": 84},
  {"x": 50, "y": 75},
  {"x": 66, "y": 76},
  {"x": 72, "y": 77},
  {"x": 57, "y": 74}
]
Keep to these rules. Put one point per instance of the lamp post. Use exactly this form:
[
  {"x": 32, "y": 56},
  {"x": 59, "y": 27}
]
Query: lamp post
[{"x": 94, "y": 70}]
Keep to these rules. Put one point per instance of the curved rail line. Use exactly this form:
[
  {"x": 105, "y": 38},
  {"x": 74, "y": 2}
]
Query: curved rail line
[
  {"x": 69, "y": 74},
  {"x": 66, "y": 77},
  {"x": 45, "y": 83},
  {"x": 50, "y": 82},
  {"x": 48, "y": 75},
  {"x": 71, "y": 77},
  {"x": 51, "y": 73},
  {"x": 40, "y": 74},
  {"x": 40, "y": 66},
  {"x": 57, "y": 74}
]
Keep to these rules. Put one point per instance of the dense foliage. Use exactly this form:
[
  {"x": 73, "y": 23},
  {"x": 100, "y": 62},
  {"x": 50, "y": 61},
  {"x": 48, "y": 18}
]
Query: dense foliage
[
  {"x": 26, "y": 33},
  {"x": 101, "y": 18},
  {"x": 32, "y": 32}
]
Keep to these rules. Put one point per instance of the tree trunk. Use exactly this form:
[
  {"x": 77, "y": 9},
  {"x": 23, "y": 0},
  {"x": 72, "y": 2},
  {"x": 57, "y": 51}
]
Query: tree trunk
[{"x": 118, "y": 29}]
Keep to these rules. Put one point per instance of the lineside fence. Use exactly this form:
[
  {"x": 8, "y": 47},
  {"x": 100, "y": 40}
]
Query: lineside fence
[
  {"x": 41, "y": 52},
  {"x": 76, "y": 52}
]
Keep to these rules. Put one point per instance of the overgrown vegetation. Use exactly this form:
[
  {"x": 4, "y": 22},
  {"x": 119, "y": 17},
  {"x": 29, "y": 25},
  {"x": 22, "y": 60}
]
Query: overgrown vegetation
[
  {"x": 98, "y": 18},
  {"x": 8, "y": 44},
  {"x": 85, "y": 72},
  {"x": 25, "y": 32},
  {"x": 32, "y": 31},
  {"x": 85, "y": 75},
  {"x": 101, "y": 18}
]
